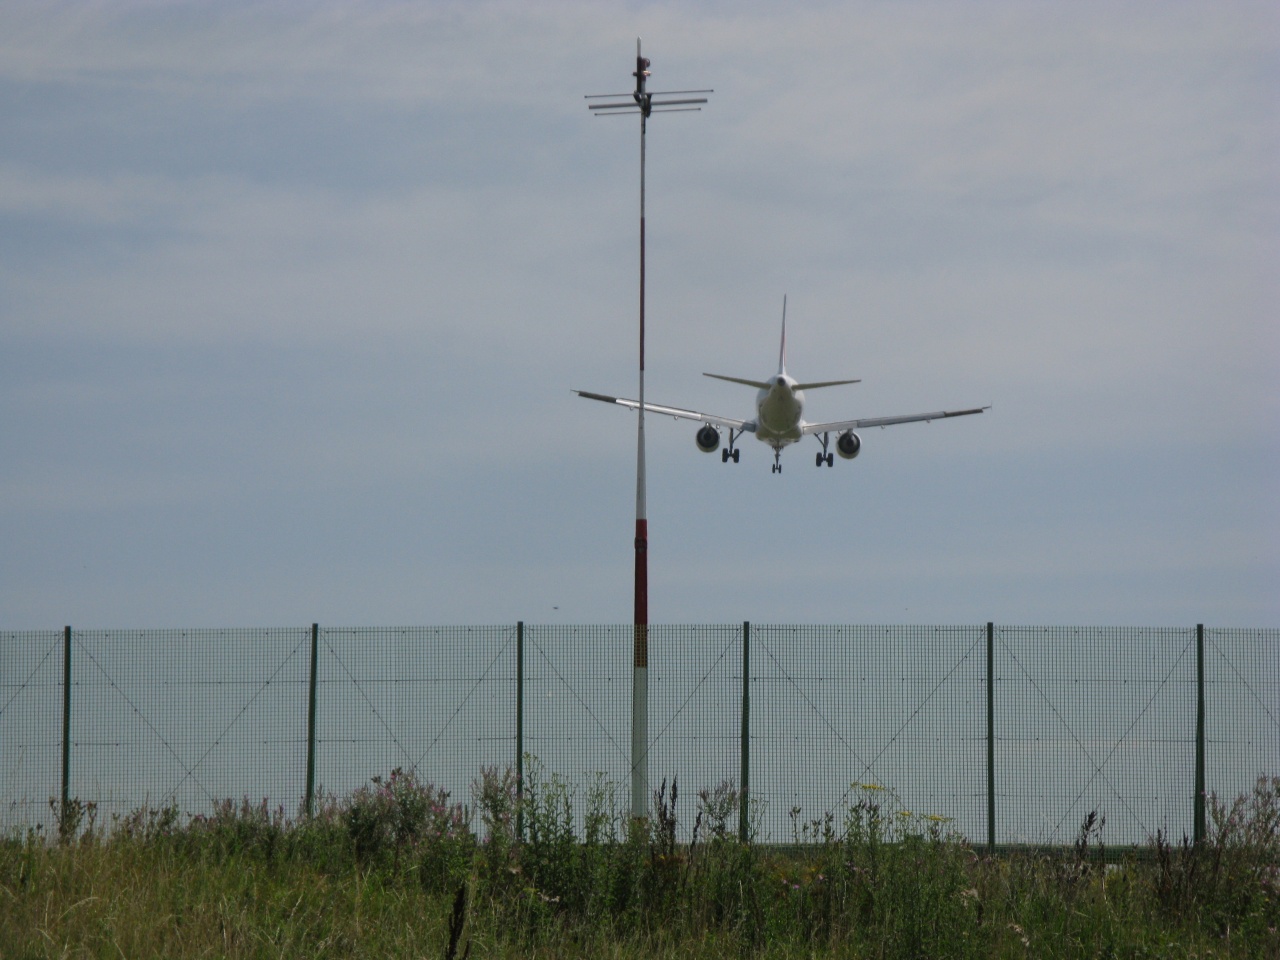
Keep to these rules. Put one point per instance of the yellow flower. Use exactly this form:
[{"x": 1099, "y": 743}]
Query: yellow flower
[
  {"x": 905, "y": 813},
  {"x": 871, "y": 786}
]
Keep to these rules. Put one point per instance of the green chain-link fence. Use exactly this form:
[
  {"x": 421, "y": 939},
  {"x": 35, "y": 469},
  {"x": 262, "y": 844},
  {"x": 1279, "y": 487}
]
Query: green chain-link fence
[{"x": 1010, "y": 734}]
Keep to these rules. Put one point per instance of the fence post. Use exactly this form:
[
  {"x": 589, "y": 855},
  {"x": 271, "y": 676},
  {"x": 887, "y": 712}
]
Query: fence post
[
  {"x": 311, "y": 723},
  {"x": 1199, "y": 827},
  {"x": 745, "y": 773},
  {"x": 991, "y": 738},
  {"x": 66, "y": 724},
  {"x": 520, "y": 729}
]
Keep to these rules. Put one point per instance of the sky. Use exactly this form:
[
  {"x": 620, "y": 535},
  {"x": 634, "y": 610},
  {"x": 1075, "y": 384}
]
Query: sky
[{"x": 293, "y": 297}]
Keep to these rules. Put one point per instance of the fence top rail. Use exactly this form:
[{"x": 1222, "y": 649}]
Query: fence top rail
[{"x": 8, "y": 633}]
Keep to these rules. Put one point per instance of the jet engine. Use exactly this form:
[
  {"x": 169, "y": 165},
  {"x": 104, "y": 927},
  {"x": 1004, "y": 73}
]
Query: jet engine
[
  {"x": 708, "y": 438},
  {"x": 848, "y": 445}
]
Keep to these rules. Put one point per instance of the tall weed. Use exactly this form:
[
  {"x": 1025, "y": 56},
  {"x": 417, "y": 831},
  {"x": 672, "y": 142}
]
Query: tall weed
[{"x": 1231, "y": 881}]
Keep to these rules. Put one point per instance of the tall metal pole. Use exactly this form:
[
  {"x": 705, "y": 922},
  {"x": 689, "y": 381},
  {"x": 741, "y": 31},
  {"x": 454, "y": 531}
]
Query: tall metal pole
[
  {"x": 643, "y": 102},
  {"x": 640, "y": 639}
]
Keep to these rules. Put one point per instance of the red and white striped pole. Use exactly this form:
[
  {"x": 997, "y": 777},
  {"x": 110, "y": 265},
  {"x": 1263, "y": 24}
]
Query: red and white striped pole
[
  {"x": 643, "y": 102},
  {"x": 640, "y": 640}
]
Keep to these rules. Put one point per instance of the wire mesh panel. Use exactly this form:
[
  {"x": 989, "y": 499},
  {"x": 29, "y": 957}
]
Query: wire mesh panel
[
  {"x": 1094, "y": 719},
  {"x": 695, "y": 726},
  {"x": 188, "y": 717},
  {"x": 577, "y": 706},
  {"x": 578, "y": 689},
  {"x": 1242, "y": 709},
  {"x": 894, "y": 715},
  {"x": 439, "y": 701},
  {"x": 30, "y": 727}
]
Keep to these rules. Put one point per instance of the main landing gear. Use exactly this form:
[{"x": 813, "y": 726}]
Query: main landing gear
[
  {"x": 731, "y": 452},
  {"x": 824, "y": 457}
]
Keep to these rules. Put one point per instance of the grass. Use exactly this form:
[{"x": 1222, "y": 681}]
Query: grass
[{"x": 400, "y": 869}]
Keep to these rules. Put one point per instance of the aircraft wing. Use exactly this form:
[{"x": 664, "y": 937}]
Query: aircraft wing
[
  {"x": 678, "y": 412},
  {"x": 842, "y": 425}
]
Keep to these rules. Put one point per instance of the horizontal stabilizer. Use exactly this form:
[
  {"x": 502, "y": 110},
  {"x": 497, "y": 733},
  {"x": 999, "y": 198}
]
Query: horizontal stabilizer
[
  {"x": 758, "y": 384},
  {"x": 823, "y": 383}
]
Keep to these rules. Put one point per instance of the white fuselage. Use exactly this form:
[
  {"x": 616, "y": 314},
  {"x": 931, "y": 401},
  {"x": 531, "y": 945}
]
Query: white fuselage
[{"x": 778, "y": 410}]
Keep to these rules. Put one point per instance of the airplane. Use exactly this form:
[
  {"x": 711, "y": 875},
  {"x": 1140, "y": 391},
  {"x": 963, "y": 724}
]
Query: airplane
[{"x": 778, "y": 421}]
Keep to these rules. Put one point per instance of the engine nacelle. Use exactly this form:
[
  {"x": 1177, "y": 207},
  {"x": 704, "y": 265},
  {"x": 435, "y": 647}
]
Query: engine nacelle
[
  {"x": 708, "y": 438},
  {"x": 848, "y": 445}
]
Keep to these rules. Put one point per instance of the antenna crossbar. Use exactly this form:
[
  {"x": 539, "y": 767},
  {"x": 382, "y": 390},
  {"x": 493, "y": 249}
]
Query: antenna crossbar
[
  {"x": 634, "y": 108},
  {"x": 655, "y": 93}
]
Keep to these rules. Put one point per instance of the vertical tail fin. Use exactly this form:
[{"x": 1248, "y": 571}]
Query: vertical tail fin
[{"x": 782, "y": 350}]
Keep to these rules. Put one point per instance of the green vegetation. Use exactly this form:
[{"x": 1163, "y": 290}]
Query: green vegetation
[{"x": 400, "y": 869}]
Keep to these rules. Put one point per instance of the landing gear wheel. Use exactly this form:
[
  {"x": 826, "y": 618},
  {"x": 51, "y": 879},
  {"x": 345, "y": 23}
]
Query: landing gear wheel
[
  {"x": 724, "y": 456},
  {"x": 735, "y": 455},
  {"x": 824, "y": 457}
]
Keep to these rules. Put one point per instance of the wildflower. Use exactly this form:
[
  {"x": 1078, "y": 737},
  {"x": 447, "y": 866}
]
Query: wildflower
[
  {"x": 905, "y": 813},
  {"x": 871, "y": 786}
]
